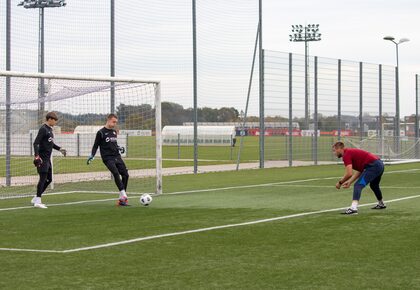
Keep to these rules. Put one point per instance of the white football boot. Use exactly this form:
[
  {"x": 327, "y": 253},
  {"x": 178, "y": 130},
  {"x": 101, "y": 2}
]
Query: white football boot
[{"x": 40, "y": 205}]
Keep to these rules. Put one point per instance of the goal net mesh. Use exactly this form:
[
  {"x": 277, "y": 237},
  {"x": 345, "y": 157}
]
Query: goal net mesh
[
  {"x": 82, "y": 105},
  {"x": 392, "y": 150}
]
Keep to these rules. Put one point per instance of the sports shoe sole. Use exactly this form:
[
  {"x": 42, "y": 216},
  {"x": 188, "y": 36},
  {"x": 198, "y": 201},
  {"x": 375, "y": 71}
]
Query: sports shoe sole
[{"x": 378, "y": 208}]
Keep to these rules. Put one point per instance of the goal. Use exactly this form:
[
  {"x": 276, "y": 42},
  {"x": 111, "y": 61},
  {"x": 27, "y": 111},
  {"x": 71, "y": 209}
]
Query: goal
[
  {"x": 82, "y": 104},
  {"x": 393, "y": 150}
]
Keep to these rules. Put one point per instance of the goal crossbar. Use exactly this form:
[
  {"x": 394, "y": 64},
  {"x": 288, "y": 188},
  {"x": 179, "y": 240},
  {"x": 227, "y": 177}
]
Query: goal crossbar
[{"x": 72, "y": 77}]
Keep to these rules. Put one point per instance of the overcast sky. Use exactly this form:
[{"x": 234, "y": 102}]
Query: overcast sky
[
  {"x": 353, "y": 30},
  {"x": 154, "y": 40}
]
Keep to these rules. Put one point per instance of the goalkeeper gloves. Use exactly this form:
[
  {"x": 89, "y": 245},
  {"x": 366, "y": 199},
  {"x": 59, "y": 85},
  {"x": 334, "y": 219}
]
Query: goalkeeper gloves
[
  {"x": 121, "y": 149},
  {"x": 90, "y": 159},
  {"x": 37, "y": 161},
  {"x": 63, "y": 151}
]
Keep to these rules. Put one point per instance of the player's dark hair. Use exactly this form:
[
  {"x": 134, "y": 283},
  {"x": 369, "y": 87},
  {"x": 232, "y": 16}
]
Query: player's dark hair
[
  {"x": 338, "y": 145},
  {"x": 110, "y": 116},
  {"x": 51, "y": 115}
]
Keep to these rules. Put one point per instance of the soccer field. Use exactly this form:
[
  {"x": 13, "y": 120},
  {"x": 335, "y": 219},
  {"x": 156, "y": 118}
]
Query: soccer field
[{"x": 253, "y": 229}]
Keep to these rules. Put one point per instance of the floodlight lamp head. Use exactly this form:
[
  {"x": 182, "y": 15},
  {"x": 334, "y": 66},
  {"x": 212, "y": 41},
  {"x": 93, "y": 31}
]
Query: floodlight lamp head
[
  {"x": 403, "y": 40},
  {"x": 390, "y": 38}
]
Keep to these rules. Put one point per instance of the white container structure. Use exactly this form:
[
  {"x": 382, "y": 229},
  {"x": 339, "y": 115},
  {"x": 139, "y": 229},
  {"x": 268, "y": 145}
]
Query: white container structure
[{"x": 207, "y": 135}]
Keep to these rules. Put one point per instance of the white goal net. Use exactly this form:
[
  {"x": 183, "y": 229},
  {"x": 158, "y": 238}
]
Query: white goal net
[
  {"x": 82, "y": 105},
  {"x": 392, "y": 150}
]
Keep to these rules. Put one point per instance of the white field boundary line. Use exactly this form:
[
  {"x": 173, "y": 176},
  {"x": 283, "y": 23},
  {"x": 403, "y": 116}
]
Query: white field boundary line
[
  {"x": 202, "y": 190},
  {"x": 140, "y": 239},
  {"x": 27, "y": 195},
  {"x": 276, "y": 183},
  {"x": 333, "y": 186},
  {"x": 58, "y": 204},
  {"x": 181, "y": 192}
]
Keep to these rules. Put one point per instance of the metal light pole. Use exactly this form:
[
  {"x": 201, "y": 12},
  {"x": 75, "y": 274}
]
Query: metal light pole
[
  {"x": 41, "y": 4},
  {"x": 300, "y": 33},
  {"x": 397, "y": 89}
]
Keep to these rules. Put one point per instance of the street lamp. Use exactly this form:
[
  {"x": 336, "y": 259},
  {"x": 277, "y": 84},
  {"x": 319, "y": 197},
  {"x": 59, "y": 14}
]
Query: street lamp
[
  {"x": 300, "y": 33},
  {"x": 397, "y": 89},
  {"x": 41, "y": 4}
]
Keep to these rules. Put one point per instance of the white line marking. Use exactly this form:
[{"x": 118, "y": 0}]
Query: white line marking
[
  {"x": 27, "y": 195},
  {"x": 29, "y": 250},
  {"x": 402, "y": 171},
  {"x": 135, "y": 240},
  {"x": 59, "y": 204},
  {"x": 249, "y": 186},
  {"x": 333, "y": 187},
  {"x": 203, "y": 190}
]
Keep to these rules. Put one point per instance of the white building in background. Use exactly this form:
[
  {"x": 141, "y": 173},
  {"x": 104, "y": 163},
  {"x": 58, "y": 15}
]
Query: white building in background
[
  {"x": 86, "y": 129},
  {"x": 207, "y": 135}
]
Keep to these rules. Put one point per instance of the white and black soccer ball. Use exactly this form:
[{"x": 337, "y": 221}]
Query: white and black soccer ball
[{"x": 146, "y": 199}]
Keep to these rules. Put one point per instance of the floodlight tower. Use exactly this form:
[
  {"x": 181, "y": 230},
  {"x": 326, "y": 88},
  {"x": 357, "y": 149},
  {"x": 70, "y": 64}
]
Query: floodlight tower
[
  {"x": 307, "y": 33},
  {"x": 41, "y": 4},
  {"x": 397, "y": 87}
]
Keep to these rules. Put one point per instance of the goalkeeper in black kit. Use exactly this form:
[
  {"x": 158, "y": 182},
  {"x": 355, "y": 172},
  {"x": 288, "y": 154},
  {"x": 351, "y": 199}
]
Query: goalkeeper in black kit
[
  {"x": 106, "y": 140},
  {"x": 43, "y": 146}
]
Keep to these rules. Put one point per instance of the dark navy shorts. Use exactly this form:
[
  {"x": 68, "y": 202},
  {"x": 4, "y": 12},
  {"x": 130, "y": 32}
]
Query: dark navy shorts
[{"x": 372, "y": 171}]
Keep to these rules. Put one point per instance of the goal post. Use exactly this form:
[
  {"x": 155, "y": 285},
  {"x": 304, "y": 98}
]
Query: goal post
[{"x": 82, "y": 104}]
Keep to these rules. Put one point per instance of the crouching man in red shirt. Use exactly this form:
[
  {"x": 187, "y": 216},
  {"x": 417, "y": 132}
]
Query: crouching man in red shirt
[{"x": 368, "y": 170}]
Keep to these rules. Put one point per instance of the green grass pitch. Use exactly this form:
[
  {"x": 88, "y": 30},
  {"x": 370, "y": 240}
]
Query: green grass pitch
[{"x": 373, "y": 250}]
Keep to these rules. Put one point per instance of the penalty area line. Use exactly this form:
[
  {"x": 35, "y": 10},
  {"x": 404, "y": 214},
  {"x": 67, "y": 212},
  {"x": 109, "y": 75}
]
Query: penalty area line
[{"x": 207, "y": 229}]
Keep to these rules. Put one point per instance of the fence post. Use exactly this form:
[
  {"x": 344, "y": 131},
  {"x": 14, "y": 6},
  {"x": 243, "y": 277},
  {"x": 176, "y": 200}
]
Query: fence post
[
  {"x": 381, "y": 131},
  {"x": 231, "y": 146},
  {"x": 112, "y": 52},
  {"x": 290, "y": 137},
  {"x": 179, "y": 146},
  {"x": 261, "y": 83},
  {"x": 397, "y": 112},
  {"x": 126, "y": 145},
  {"x": 8, "y": 96},
  {"x": 361, "y": 99},
  {"x": 339, "y": 100},
  {"x": 262, "y": 112},
  {"x": 416, "y": 126},
  {"x": 315, "y": 138},
  {"x": 195, "y": 117},
  {"x": 78, "y": 144},
  {"x": 30, "y": 144}
]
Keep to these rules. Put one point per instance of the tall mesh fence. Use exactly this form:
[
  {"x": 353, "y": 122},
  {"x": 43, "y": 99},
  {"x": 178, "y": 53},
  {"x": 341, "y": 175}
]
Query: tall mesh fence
[
  {"x": 153, "y": 40},
  {"x": 350, "y": 101}
]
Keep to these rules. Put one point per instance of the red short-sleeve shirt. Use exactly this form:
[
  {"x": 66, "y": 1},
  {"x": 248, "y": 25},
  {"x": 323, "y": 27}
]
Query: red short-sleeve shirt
[{"x": 358, "y": 158}]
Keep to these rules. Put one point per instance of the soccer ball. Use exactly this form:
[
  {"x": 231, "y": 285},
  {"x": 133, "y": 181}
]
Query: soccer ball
[{"x": 146, "y": 199}]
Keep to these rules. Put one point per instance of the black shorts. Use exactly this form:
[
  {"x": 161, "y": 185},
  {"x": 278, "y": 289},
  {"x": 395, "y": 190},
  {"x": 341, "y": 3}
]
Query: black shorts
[
  {"x": 116, "y": 165},
  {"x": 45, "y": 166}
]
